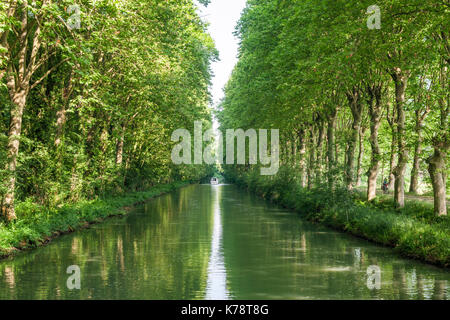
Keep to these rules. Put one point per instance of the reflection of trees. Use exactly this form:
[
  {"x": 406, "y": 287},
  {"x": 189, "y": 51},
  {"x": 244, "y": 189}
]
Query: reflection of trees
[
  {"x": 159, "y": 252},
  {"x": 10, "y": 279},
  {"x": 441, "y": 290},
  {"x": 162, "y": 251},
  {"x": 271, "y": 253}
]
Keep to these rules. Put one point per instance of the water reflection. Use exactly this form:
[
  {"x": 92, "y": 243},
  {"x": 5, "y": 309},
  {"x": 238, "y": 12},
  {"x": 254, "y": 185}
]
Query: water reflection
[
  {"x": 216, "y": 242},
  {"x": 160, "y": 251},
  {"x": 216, "y": 288},
  {"x": 271, "y": 253}
]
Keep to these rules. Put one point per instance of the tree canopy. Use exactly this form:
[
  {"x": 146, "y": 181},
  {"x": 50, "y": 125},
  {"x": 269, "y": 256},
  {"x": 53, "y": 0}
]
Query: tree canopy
[
  {"x": 340, "y": 77},
  {"x": 91, "y": 92}
]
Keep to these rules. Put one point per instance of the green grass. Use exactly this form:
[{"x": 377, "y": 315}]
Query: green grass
[
  {"x": 414, "y": 231},
  {"x": 36, "y": 225},
  {"x": 418, "y": 210}
]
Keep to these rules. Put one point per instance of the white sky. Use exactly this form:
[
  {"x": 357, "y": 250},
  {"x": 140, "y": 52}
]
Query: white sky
[{"x": 222, "y": 16}]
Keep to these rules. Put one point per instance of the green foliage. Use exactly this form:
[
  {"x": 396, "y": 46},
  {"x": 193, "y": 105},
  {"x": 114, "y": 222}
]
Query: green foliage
[
  {"x": 314, "y": 70},
  {"x": 112, "y": 93}
]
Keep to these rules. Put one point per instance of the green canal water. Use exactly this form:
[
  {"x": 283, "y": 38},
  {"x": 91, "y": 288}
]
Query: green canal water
[{"x": 217, "y": 242}]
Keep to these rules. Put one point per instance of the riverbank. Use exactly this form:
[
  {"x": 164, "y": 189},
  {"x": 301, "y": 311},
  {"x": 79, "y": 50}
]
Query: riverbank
[
  {"x": 413, "y": 231},
  {"x": 37, "y": 225}
]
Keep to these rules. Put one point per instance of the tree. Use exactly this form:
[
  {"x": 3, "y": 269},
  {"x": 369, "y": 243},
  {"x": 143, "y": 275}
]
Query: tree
[{"x": 299, "y": 62}]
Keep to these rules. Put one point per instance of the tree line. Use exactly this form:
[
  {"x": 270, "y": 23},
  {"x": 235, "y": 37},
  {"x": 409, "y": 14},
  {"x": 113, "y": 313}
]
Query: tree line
[
  {"x": 359, "y": 91},
  {"x": 90, "y": 92}
]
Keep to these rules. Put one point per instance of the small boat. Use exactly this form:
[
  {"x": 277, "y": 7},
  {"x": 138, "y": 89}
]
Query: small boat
[{"x": 214, "y": 180}]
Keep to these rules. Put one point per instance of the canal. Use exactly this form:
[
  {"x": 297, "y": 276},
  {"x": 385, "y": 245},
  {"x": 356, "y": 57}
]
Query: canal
[{"x": 216, "y": 242}]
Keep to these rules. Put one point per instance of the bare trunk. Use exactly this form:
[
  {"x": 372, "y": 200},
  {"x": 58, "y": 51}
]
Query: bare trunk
[
  {"x": 436, "y": 168},
  {"x": 19, "y": 100},
  {"x": 375, "y": 119},
  {"x": 319, "y": 158},
  {"x": 441, "y": 144},
  {"x": 356, "y": 108},
  {"x": 331, "y": 142},
  {"x": 61, "y": 113},
  {"x": 414, "y": 186},
  {"x": 294, "y": 153},
  {"x": 360, "y": 157},
  {"x": 336, "y": 149},
  {"x": 401, "y": 80},
  {"x": 119, "y": 146},
  {"x": 302, "y": 154},
  {"x": 420, "y": 117},
  {"x": 311, "y": 162},
  {"x": 392, "y": 162}
]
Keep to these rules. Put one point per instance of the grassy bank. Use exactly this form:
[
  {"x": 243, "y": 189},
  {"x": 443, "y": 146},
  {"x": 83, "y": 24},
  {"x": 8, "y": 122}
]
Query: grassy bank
[
  {"x": 413, "y": 231},
  {"x": 37, "y": 225}
]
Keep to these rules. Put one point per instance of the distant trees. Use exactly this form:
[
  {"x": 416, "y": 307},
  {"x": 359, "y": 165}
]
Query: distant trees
[
  {"x": 90, "y": 95},
  {"x": 311, "y": 67}
]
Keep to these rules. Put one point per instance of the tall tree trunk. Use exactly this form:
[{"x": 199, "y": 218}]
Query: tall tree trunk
[
  {"x": 336, "y": 152},
  {"x": 19, "y": 100},
  {"x": 311, "y": 160},
  {"x": 414, "y": 185},
  {"x": 119, "y": 146},
  {"x": 391, "y": 121},
  {"x": 441, "y": 144},
  {"x": 420, "y": 114},
  {"x": 319, "y": 158},
  {"x": 374, "y": 103},
  {"x": 420, "y": 117},
  {"x": 392, "y": 159},
  {"x": 401, "y": 80},
  {"x": 19, "y": 85},
  {"x": 294, "y": 153},
  {"x": 331, "y": 142},
  {"x": 302, "y": 156},
  {"x": 360, "y": 156},
  {"x": 382, "y": 167},
  {"x": 356, "y": 108},
  {"x": 62, "y": 112},
  {"x": 436, "y": 168}
]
